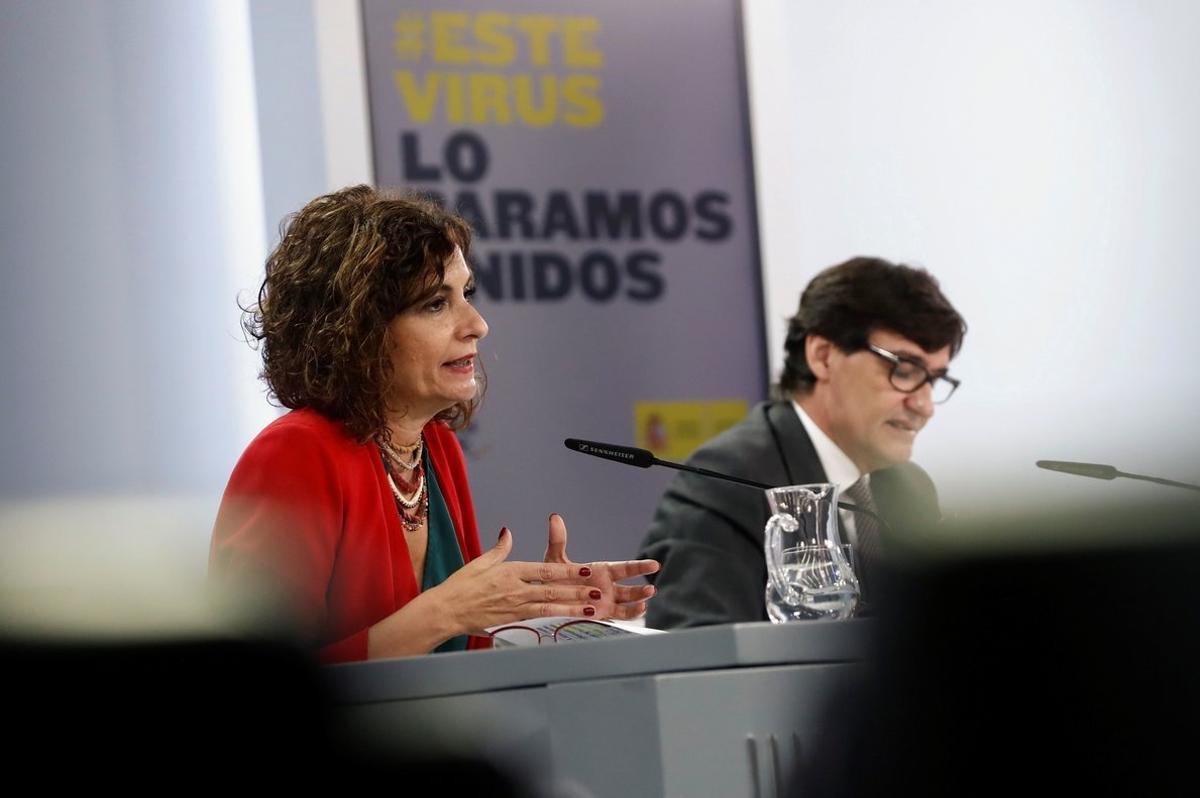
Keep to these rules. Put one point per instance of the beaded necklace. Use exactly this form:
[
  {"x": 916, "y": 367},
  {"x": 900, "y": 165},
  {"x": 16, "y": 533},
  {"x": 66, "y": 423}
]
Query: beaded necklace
[
  {"x": 412, "y": 495},
  {"x": 397, "y": 453}
]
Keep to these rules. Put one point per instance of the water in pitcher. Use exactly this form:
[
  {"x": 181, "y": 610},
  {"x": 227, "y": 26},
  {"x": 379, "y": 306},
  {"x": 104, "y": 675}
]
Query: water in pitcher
[
  {"x": 816, "y": 585},
  {"x": 809, "y": 571}
]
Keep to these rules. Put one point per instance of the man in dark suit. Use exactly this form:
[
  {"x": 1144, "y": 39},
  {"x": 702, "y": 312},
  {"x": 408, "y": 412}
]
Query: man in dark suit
[{"x": 866, "y": 361}]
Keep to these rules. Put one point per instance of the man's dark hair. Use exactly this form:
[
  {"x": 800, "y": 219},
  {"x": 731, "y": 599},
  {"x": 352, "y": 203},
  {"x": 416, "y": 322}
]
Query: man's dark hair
[{"x": 845, "y": 303}]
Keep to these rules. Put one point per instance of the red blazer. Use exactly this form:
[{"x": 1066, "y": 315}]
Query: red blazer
[{"x": 310, "y": 510}]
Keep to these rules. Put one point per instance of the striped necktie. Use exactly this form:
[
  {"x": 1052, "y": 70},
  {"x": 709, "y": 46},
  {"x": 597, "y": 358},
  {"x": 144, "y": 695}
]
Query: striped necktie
[{"x": 869, "y": 544}]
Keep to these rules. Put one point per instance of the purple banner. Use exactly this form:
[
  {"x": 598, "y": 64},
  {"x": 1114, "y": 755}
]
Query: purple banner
[{"x": 601, "y": 152}]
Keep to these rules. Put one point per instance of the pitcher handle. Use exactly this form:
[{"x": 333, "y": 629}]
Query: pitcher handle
[{"x": 777, "y": 524}]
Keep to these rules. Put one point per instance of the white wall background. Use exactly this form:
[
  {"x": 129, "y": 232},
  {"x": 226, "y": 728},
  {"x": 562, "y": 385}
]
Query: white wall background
[
  {"x": 130, "y": 209},
  {"x": 131, "y": 218},
  {"x": 1040, "y": 158}
]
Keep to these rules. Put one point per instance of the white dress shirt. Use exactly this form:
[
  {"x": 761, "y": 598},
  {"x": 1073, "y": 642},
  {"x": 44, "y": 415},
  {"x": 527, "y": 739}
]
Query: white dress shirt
[{"x": 839, "y": 469}]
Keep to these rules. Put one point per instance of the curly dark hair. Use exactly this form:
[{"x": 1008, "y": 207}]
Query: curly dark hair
[
  {"x": 348, "y": 264},
  {"x": 846, "y": 302}
]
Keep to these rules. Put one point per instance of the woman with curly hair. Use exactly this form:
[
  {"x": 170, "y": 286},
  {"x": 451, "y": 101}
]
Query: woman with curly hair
[{"x": 356, "y": 503}]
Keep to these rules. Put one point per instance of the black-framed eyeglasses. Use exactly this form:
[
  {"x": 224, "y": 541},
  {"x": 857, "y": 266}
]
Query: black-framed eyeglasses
[
  {"x": 580, "y": 629},
  {"x": 908, "y": 376}
]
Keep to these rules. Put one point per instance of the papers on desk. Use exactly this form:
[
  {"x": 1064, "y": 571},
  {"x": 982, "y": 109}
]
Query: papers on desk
[{"x": 562, "y": 629}]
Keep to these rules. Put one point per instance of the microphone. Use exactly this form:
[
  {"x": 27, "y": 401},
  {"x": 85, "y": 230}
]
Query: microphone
[
  {"x": 905, "y": 494},
  {"x": 1099, "y": 471},
  {"x": 643, "y": 458},
  {"x": 610, "y": 451},
  {"x": 1093, "y": 470}
]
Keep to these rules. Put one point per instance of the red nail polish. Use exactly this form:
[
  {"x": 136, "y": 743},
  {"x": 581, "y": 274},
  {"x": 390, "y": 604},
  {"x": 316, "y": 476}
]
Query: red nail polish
[
  {"x": 595, "y": 595},
  {"x": 503, "y": 529},
  {"x": 589, "y": 611},
  {"x": 585, "y": 571}
]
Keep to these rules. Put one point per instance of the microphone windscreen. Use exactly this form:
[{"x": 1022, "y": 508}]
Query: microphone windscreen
[
  {"x": 906, "y": 497},
  {"x": 610, "y": 451},
  {"x": 1093, "y": 470}
]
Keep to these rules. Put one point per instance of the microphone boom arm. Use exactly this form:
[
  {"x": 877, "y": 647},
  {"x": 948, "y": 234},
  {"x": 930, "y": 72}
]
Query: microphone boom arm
[
  {"x": 1160, "y": 481},
  {"x": 706, "y": 473},
  {"x": 854, "y": 508},
  {"x": 1101, "y": 471},
  {"x": 643, "y": 458}
]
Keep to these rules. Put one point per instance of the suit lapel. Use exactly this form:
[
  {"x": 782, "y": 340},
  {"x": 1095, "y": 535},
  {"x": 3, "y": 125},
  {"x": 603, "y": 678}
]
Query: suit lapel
[{"x": 798, "y": 453}]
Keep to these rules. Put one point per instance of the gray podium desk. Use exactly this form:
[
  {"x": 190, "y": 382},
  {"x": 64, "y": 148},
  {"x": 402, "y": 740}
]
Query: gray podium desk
[{"x": 718, "y": 711}]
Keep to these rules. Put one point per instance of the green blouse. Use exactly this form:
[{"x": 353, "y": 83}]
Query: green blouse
[{"x": 442, "y": 553}]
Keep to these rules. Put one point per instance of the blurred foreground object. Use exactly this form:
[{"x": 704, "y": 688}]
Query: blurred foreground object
[
  {"x": 123, "y": 669},
  {"x": 1048, "y": 654}
]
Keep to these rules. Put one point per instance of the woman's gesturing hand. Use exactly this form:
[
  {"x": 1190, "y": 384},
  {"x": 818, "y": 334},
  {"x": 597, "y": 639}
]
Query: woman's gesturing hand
[
  {"x": 489, "y": 590},
  {"x": 623, "y": 602}
]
